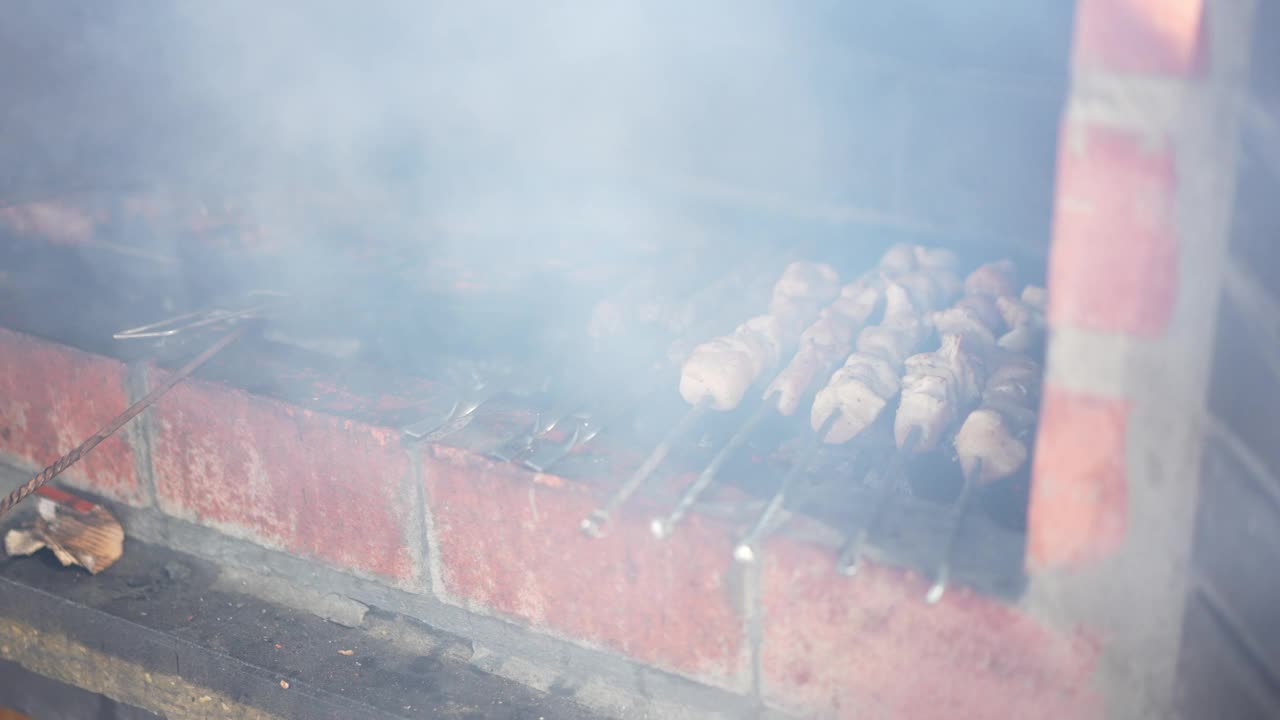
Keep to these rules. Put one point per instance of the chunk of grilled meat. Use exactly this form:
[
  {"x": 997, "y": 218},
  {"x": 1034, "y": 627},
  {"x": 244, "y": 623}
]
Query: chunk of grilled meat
[
  {"x": 972, "y": 316},
  {"x": 721, "y": 370},
  {"x": 1025, "y": 320},
  {"x": 993, "y": 279},
  {"x": 999, "y": 433},
  {"x": 938, "y": 388},
  {"x": 824, "y": 343},
  {"x": 860, "y": 390}
]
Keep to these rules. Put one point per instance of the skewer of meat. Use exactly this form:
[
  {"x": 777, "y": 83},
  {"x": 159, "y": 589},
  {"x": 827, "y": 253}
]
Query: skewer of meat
[
  {"x": 864, "y": 385},
  {"x": 718, "y": 373},
  {"x": 859, "y": 391},
  {"x": 926, "y": 274},
  {"x": 1024, "y": 317},
  {"x": 576, "y": 421},
  {"x": 993, "y": 443},
  {"x": 938, "y": 387},
  {"x": 821, "y": 345}
]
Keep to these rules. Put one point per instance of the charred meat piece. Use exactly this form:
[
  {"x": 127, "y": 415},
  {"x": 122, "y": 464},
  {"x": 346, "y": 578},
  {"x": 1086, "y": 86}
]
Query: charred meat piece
[
  {"x": 929, "y": 289},
  {"x": 1024, "y": 319},
  {"x": 999, "y": 433},
  {"x": 860, "y": 390},
  {"x": 824, "y": 343},
  {"x": 805, "y": 284},
  {"x": 899, "y": 259},
  {"x": 1036, "y": 296},
  {"x": 937, "y": 389},
  {"x": 993, "y": 279},
  {"x": 829, "y": 339},
  {"x": 974, "y": 317},
  {"x": 935, "y": 259},
  {"x": 721, "y": 370}
]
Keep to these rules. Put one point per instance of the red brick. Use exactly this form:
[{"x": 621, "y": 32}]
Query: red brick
[
  {"x": 508, "y": 543},
  {"x": 309, "y": 484},
  {"x": 1079, "y": 496},
  {"x": 869, "y": 647},
  {"x": 1114, "y": 262},
  {"x": 1159, "y": 37},
  {"x": 52, "y": 398}
]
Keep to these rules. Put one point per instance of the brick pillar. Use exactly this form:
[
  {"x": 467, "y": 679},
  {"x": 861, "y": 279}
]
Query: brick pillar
[{"x": 1146, "y": 174}]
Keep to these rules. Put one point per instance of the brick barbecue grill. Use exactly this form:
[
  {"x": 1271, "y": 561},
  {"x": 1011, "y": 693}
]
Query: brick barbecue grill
[{"x": 372, "y": 504}]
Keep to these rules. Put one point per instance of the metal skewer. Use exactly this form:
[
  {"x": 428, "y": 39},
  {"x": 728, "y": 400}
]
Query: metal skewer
[
  {"x": 201, "y": 318},
  {"x": 958, "y": 514},
  {"x": 745, "y": 552},
  {"x": 593, "y": 524},
  {"x": 662, "y": 527},
  {"x": 851, "y": 554},
  {"x": 118, "y": 422}
]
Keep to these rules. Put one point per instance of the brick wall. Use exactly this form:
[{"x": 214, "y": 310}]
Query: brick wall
[
  {"x": 1144, "y": 191},
  {"x": 501, "y": 542}
]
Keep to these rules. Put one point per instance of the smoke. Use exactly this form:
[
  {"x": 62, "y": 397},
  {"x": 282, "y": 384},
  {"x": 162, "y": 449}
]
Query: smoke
[
  {"x": 511, "y": 139},
  {"x": 509, "y": 119},
  {"x": 492, "y": 138}
]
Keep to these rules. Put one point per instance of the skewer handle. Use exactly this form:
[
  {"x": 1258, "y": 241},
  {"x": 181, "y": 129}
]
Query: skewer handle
[
  {"x": 663, "y": 527},
  {"x": 593, "y": 524},
  {"x": 851, "y": 555},
  {"x": 745, "y": 552}
]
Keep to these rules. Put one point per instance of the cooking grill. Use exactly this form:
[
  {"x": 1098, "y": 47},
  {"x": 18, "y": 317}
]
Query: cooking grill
[
  {"x": 449, "y": 278},
  {"x": 576, "y": 379}
]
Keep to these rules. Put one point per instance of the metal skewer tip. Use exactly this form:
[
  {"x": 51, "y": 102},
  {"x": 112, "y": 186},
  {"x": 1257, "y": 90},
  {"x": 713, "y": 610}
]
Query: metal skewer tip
[
  {"x": 661, "y": 528},
  {"x": 593, "y": 524},
  {"x": 943, "y": 574},
  {"x": 939, "y": 587},
  {"x": 745, "y": 551}
]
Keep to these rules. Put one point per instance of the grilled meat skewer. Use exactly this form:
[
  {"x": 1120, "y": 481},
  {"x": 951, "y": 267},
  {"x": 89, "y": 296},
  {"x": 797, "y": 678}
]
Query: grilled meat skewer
[
  {"x": 720, "y": 371},
  {"x": 821, "y": 345},
  {"x": 717, "y": 373}
]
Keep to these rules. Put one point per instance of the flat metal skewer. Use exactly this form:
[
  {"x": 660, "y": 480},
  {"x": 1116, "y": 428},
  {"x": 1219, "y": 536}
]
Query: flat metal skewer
[
  {"x": 662, "y": 527},
  {"x": 593, "y": 524},
  {"x": 958, "y": 513},
  {"x": 851, "y": 555},
  {"x": 745, "y": 551},
  {"x": 201, "y": 318}
]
